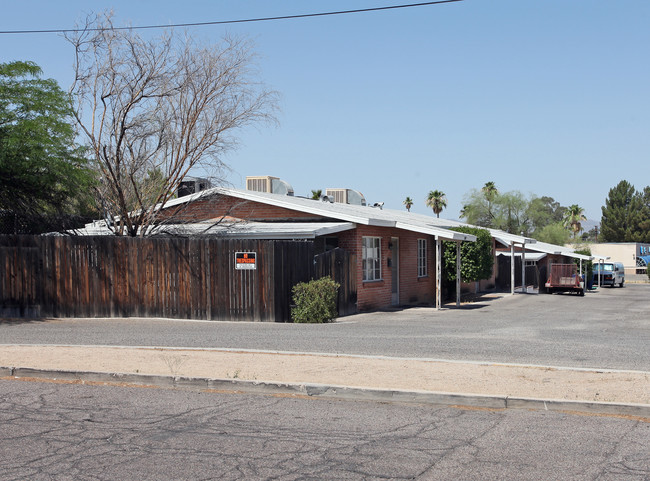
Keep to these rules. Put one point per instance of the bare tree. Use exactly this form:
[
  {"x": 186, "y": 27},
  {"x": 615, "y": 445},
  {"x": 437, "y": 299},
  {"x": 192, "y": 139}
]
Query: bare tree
[{"x": 155, "y": 109}]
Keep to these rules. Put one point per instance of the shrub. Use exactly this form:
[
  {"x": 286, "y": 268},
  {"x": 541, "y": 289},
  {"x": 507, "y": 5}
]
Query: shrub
[
  {"x": 315, "y": 301},
  {"x": 476, "y": 257}
]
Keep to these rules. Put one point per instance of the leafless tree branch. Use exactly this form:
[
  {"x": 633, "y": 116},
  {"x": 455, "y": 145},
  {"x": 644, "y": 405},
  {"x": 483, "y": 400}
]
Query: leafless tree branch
[{"x": 154, "y": 110}]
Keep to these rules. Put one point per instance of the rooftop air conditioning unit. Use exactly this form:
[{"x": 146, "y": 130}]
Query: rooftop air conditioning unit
[
  {"x": 346, "y": 196},
  {"x": 266, "y": 183},
  {"x": 192, "y": 185}
]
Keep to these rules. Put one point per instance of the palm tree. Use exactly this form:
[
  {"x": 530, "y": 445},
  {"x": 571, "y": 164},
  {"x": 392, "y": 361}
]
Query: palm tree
[
  {"x": 437, "y": 201},
  {"x": 490, "y": 191},
  {"x": 408, "y": 202},
  {"x": 315, "y": 194},
  {"x": 573, "y": 216}
]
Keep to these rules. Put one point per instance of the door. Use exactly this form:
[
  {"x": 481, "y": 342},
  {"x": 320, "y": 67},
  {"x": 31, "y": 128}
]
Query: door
[{"x": 394, "y": 271}]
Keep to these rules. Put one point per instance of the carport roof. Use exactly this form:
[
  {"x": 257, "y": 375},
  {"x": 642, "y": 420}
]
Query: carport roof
[
  {"x": 530, "y": 256},
  {"x": 557, "y": 250}
]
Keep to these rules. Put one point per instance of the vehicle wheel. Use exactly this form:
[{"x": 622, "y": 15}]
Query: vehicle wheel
[{"x": 622, "y": 283}]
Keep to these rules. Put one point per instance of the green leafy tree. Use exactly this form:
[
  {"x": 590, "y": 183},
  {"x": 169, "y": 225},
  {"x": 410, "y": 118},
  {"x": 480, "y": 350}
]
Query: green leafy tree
[
  {"x": 42, "y": 170},
  {"x": 408, "y": 203},
  {"x": 553, "y": 234},
  {"x": 543, "y": 211},
  {"x": 478, "y": 205},
  {"x": 437, "y": 201},
  {"x": 507, "y": 211},
  {"x": 619, "y": 212},
  {"x": 316, "y": 194},
  {"x": 476, "y": 209},
  {"x": 511, "y": 213},
  {"x": 477, "y": 258},
  {"x": 573, "y": 218}
]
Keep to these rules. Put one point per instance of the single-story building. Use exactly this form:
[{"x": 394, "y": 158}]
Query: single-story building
[
  {"x": 526, "y": 249},
  {"x": 398, "y": 253}
]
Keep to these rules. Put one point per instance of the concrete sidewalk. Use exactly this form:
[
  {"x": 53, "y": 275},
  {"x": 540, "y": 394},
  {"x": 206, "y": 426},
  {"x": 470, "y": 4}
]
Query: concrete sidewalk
[{"x": 488, "y": 385}]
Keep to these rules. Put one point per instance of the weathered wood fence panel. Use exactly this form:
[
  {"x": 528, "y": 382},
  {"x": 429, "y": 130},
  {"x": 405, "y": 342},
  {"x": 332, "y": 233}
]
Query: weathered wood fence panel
[
  {"x": 340, "y": 265},
  {"x": 160, "y": 277}
]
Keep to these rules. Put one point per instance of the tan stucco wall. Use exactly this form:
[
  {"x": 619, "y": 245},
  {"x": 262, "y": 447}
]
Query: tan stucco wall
[{"x": 624, "y": 252}]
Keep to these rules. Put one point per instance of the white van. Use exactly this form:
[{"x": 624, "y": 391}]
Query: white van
[{"x": 610, "y": 274}]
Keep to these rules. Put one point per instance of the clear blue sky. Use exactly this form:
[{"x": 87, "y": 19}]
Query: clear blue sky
[{"x": 549, "y": 97}]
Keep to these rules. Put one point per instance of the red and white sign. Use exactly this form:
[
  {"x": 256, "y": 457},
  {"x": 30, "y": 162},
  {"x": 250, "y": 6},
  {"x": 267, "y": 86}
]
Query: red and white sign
[{"x": 245, "y": 260}]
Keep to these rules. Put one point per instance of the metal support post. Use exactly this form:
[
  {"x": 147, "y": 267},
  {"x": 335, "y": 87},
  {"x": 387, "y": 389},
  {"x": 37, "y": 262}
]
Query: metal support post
[
  {"x": 523, "y": 267},
  {"x": 457, "y": 273},
  {"x": 512, "y": 268},
  {"x": 438, "y": 272}
]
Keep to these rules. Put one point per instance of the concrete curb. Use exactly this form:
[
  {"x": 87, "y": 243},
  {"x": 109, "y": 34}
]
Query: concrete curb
[{"x": 333, "y": 392}]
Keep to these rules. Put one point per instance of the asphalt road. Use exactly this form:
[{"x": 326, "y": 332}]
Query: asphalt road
[
  {"x": 62, "y": 431},
  {"x": 609, "y": 328}
]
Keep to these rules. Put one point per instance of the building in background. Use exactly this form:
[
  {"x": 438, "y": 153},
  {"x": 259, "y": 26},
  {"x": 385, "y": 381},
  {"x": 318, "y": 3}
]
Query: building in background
[{"x": 635, "y": 256}]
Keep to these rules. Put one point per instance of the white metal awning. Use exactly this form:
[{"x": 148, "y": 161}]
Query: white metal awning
[{"x": 245, "y": 230}]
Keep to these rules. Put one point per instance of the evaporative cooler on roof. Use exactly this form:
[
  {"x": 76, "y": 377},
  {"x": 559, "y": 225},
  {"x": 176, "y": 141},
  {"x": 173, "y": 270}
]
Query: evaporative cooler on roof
[{"x": 269, "y": 184}]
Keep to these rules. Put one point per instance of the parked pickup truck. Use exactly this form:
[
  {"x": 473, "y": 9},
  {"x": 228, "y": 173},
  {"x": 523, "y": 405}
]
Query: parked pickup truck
[{"x": 565, "y": 278}]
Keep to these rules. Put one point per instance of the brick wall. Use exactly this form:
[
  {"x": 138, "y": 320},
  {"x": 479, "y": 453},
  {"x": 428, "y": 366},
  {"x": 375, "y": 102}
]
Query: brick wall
[
  {"x": 221, "y": 205},
  {"x": 370, "y": 295},
  {"x": 412, "y": 289}
]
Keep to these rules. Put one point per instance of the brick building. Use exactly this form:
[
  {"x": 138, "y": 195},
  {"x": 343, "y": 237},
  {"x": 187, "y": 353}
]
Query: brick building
[{"x": 396, "y": 251}]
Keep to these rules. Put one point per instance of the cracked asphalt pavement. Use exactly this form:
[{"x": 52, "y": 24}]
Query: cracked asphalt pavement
[
  {"x": 66, "y": 431},
  {"x": 63, "y": 430}
]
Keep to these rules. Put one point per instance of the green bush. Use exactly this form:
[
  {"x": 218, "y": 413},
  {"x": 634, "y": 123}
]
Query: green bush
[
  {"x": 476, "y": 257},
  {"x": 315, "y": 301}
]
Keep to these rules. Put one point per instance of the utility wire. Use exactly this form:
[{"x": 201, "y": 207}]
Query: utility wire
[{"x": 224, "y": 22}]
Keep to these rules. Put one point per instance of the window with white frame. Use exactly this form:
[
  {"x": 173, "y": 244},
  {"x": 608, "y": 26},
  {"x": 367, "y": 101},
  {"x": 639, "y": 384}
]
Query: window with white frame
[
  {"x": 371, "y": 258},
  {"x": 422, "y": 257}
]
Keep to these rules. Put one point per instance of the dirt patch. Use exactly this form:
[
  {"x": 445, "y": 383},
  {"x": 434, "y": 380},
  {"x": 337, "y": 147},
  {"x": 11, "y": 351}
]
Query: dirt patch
[{"x": 352, "y": 371}]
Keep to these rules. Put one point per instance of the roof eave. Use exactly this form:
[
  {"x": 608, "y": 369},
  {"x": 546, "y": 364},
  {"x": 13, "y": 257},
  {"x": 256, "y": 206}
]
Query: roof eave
[{"x": 443, "y": 234}]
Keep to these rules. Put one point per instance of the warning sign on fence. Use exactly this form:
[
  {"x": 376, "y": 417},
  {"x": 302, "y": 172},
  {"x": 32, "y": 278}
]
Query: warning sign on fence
[{"x": 245, "y": 260}]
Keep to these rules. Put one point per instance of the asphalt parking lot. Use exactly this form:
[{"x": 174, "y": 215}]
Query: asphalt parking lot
[{"x": 607, "y": 328}]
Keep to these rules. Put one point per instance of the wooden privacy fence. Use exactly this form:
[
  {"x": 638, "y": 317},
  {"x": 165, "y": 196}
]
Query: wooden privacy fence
[
  {"x": 193, "y": 278},
  {"x": 340, "y": 265}
]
